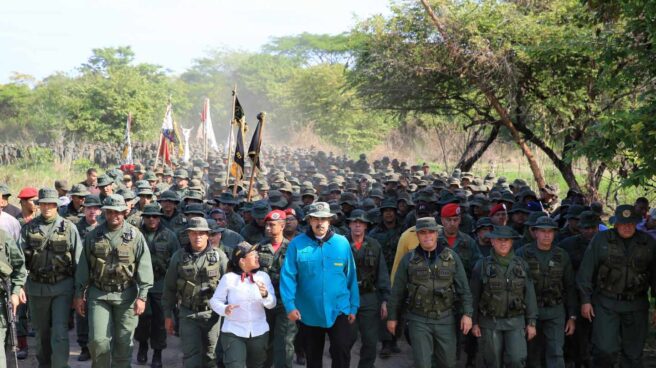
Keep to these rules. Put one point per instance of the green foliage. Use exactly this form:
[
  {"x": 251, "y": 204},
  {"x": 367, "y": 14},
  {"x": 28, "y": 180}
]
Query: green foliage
[{"x": 38, "y": 155}]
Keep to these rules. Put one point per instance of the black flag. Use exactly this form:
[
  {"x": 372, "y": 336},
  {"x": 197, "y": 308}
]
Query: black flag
[
  {"x": 256, "y": 143},
  {"x": 237, "y": 169},
  {"x": 239, "y": 112}
]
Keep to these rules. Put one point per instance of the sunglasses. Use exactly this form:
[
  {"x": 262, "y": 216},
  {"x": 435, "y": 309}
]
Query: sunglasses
[{"x": 150, "y": 216}]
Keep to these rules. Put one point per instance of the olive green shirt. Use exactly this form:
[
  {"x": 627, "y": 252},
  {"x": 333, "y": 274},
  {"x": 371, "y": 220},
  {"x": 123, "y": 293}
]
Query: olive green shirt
[
  {"x": 16, "y": 258},
  {"x": 143, "y": 276},
  {"x": 74, "y": 247},
  {"x": 400, "y": 290},
  {"x": 162, "y": 236}
]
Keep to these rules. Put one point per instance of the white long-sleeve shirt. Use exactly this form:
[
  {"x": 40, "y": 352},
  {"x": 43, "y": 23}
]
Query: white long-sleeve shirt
[{"x": 249, "y": 318}]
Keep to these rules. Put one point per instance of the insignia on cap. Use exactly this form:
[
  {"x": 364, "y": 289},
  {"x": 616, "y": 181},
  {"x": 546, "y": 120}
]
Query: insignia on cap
[
  {"x": 320, "y": 207},
  {"x": 275, "y": 216},
  {"x": 458, "y": 211},
  {"x": 626, "y": 213}
]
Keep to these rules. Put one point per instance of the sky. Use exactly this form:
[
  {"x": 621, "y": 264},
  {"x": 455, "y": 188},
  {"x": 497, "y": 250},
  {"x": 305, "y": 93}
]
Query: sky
[{"x": 40, "y": 37}]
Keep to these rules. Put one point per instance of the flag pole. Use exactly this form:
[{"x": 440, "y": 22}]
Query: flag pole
[
  {"x": 261, "y": 117},
  {"x": 159, "y": 147},
  {"x": 232, "y": 121},
  {"x": 238, "y": 181},
  {"x": 205, "y": 125}
]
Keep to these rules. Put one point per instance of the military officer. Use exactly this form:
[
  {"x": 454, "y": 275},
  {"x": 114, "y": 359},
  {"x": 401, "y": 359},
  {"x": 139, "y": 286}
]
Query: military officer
[
  {"x": 254, "y": 231},
  {"x": 171, "y": 217},
  {"x": 505, "y": 308},
  {"x": 74, "y": 210},
  {"x": 113, "y": 277},
  {"x": 52, "y": 248},
  {"x": 12, "y": 269},
  {"x": 577, "y": 347},
  {"x": 373, "y": 285},
  {"x": 227, "y": 202},
  {"x": 162, "y": 243},
  {"x": 553, "y": 279},
  {"x": 191, "y": 278},
  {"x": 272, "y": 251},
  {"x": 618, "y": 268},
  {"x": 431, "y": 278},
  {"x": 87, "y": 223}
]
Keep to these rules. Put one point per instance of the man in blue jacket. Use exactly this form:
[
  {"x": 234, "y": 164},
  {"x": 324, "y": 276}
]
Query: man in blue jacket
[{"x": 319, "y": 288}]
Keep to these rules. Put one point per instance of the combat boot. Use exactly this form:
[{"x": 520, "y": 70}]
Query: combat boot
[
  {"x": 84, "y": 355},
  {"x": 157, "y": 359},
  {"x": 142, "y": 354}
]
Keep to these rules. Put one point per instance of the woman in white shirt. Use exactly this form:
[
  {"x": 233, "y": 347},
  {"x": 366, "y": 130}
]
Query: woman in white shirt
[{"x": 241, "y": 297}]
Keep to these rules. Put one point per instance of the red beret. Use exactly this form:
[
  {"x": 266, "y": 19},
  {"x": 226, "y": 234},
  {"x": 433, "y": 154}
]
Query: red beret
[
  {"x": 450, "y": 210},
  {"x": 496, "y": 208},
  {"x": 290, "y": 212},
  {"x": 276, "y": 215},
  {"x": 28, "y": 192}
]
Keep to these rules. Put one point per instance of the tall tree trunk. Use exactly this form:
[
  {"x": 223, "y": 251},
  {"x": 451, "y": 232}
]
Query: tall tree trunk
[{"x": 465, "y": 163}]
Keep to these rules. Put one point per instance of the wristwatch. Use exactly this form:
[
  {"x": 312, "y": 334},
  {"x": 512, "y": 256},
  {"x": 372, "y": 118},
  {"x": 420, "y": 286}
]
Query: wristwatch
[{"x": 573, "y": 318}]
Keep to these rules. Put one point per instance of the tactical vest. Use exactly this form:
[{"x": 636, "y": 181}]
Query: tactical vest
[
  {"x": 464, "y": 251},
  {"x": 625, "y": 276},
  {"x": 366, "y": 267},
  {"x": 49, "y": 260},
  {"x": 431, "y": 291},
  {"x": 272, "y": 263},
  {"x": 503, "y": 290},
  {"x": 112, "y": 267},
  {"x": 5, "y": 263},
  {"x": 548, "y": 283},
  {"x": 160, "y": 254},
  {"x": 198, "y": 278}
]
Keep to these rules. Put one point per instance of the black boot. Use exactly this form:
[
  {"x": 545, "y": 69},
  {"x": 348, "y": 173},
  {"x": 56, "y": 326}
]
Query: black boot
[
  {"x": 157, "y": 359},
  {"x": 142, "y": 354},
  {"x": 84, "y": 355}
]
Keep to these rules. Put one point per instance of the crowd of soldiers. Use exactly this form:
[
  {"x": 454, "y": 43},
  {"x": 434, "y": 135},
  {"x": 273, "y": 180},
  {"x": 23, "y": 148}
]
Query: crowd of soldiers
[
  {"x": 465, "y": 267},
  {"x": 100, "y": 154}
]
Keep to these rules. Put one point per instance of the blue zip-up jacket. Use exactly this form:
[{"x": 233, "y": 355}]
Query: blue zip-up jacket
[{"x": 319, "y": 279}]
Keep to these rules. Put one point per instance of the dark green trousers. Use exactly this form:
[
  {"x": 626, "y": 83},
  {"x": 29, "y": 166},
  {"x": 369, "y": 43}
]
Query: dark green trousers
[
  {"x": 616, "y": 332},
  {"x": 546, "y": 349},
  {"x": 111, "y": 327},
  {"x": 430, "y": 341},
  {"x": 199, "y": 335},
  {"x": 503, "y": 348},
  {"x": 280, "y": 351},
  {"x": 368, "y": 320},
  {"x": 240, "y": 352},
  {"x": 49, "y": 316}
]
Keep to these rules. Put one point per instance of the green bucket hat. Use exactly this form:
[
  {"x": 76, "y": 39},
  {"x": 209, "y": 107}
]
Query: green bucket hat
[
  {"x": 170, "y": 196},
  {"x": 227, "y": 198},
  {"x": 194, "y": 209},
  {"x": 104, "y": 180},
  {"x": 359, "y": 215},
  {"x": 545, "y": 222},
  {"x": 588, "y": 219},
  {"x": 320, "y": 210},
  {"x": 483, "y": 222},
  {"x": 575, "y": 211},
  {"x": 126, "y": 193},
  {"x": 48, "y": 195},
  {"x": 79, "y": 190},
  {"x": 115, "y": 202},
  {"x": 502, "y": 232},
  {"x": 260, "y": 209},
  {"x": 198, "y": 224},
  {"x": 626, "y": 214},
  {"x": 152, "y": 209},
  {"x": 92, "y": 200},
  {"x": 4, "y": 190},
  {"x": 427, "y": 223},
  {"x": 533, "y": 217}
]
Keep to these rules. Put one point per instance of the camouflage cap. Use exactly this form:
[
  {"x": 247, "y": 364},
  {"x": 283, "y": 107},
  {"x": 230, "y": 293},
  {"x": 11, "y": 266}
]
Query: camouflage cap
[
  {"x": 573, "y": 212},
  {"x": 79, "y": 190},
  {"x": 320, "y": 210},
  {"x": 62, "y": 185},
  {"x": 127, "y": 194},
  {"x": 198, "y": 224},
  {"x": 144, "y": 191},
  {"x": 115, "y": 202},
  {"x": 260, "y": 209},
  {"x": 227, "y": 198},
  {"x": 193, "y": 195},
  {"x": 530, "y": 221},
  {"x": 359, "y": 215},
  {"x": 48, "y": 195},
  {"x": 240, "y": 251},
  {"x": 483, "y": 222},
  {"x": 588, "y": 219},
  {"x": 502, "y": 232},
  {"x": 104, "y": 180},
  {"x": 152, "y": 209},
  {"x": 276, "y": 199},
  {"x": 181, "y": 174},
  {"x": 427, "y": 223},
  {"x": 194, "y": 209},
  {"x": 545, "y": 222},
  {"x": 170, "y": 196},
  {"x": 92, "y": 200},
  {"x": 150, "y": 176}
]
